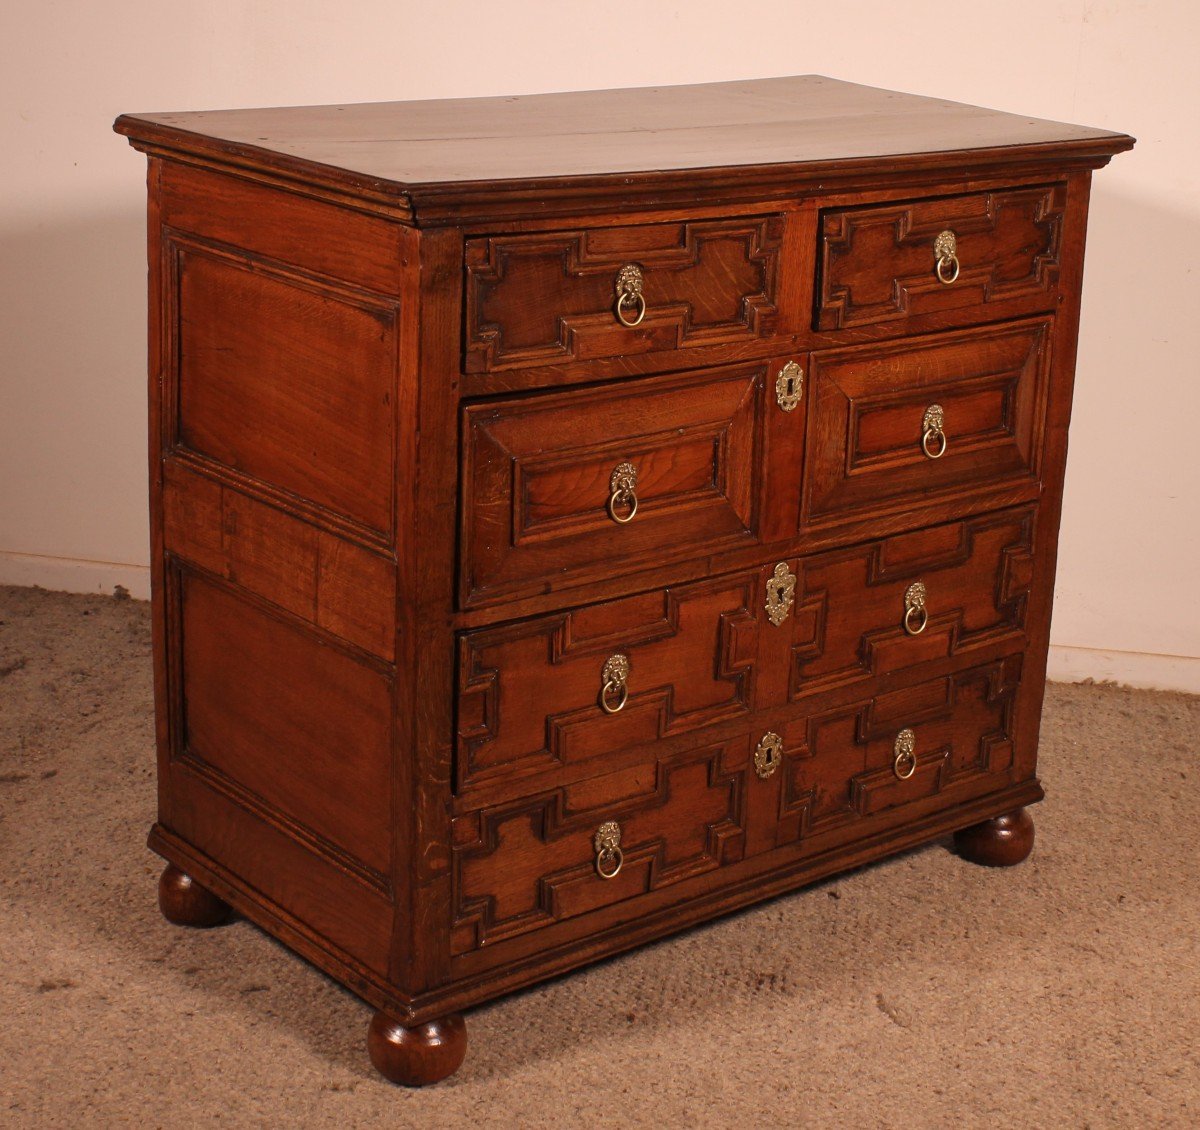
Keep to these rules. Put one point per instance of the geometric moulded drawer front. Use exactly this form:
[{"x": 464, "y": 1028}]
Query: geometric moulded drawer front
[
  {"x": 536, "y": 299},
  {"x": 562, "y": 485},
  {"x": 569, "y": 690},
  {"x": 884, "y": 263},
  {"x": 534, "y": 862},
  {"x": 933, "y": 423},
  {"x": 954, "y": 735},
  {"x": 876, "y": 609}
]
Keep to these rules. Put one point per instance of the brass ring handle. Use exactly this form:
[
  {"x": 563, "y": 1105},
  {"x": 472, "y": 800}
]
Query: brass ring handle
[
  {"x": 614, "y": 675},
  {"x": 607, "y": 844},
  {"x": 905, "y": 763},
  {"x": 628, "y": 285},
  {"x": 622, "y": 491},
  {"x": 945, "y": 251},
  {"x": 934, "y": 431},
  {"x": 916, "y": 615}
]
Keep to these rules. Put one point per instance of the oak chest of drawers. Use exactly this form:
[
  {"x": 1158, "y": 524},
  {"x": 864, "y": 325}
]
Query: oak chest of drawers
[{"x": 577, "y": 516}]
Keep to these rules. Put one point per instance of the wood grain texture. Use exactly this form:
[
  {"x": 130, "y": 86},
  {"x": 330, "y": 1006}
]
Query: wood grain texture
[
  {"x": 461, "y": 159},
  {"x": 388, "y": 395}
]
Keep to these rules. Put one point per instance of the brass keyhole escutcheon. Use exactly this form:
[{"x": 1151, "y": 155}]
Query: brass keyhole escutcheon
[
  {"x": 916, "y": 615},
  {"x": 607, "y": 845},
  {"x": 904, "y": 765},
  {"x": 768, "y": 755},
  {"x": 945, "y": 253},
  {"x": 781, "y": 592},
  {"x": 614, "y": 689},
  {"x": 622, "y": 492},
  {"x": 628, "y": 285},
  {"x": 789, "y": 386},
  {"x": 933, "y": 432}
]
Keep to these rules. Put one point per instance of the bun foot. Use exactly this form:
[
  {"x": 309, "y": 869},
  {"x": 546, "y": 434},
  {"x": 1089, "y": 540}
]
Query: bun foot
[
  {"x": 1000, "y": 842},
  {"x": 183, "y": 901},
  {"x": 417, "y": 1056}
]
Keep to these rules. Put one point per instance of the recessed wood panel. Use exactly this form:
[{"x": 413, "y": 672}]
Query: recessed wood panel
[
  {"x": 879, "y": 264},
  {"x": 289, "y": 383},
  {"x": 867, "y": 416},
  {"x": 540, "y": 299},
  {"x": 539, "y": 470},
  {"x": 302, "y": 727}
]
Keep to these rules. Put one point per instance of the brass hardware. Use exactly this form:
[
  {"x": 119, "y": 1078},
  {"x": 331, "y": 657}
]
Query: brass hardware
[
  {"x": 945, "y": 251},
  {"x": 614, "y": 673},
  {"x": 914, "y": 607},
  {"x": 905, "y": 750},
  {"x": 607, "y": 843},
  {"x": 781, "y": 591},
  {"x": 768, "y": 755},
  {"x": 622, "y": 490},
  {"x": 934, "y": 429},
  {"x": 628, "y": 286},
  {"x": 789, "y": 386}
]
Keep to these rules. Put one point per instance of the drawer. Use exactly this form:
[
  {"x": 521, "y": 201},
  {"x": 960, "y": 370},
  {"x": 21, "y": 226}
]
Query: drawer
[
  {"x": 605, "y": 850},
  {"x": 933, "y": 425},
  {"x": 562, "y": 691},
  {"x": 894, "y": 604},
  {"x": 951, "y": 737},
  {"x": 560, "y": 487},
  {"x": 542, "y": 860},
  {"x": 888, "y": 262},
  {"x": 553, "y": 297}
]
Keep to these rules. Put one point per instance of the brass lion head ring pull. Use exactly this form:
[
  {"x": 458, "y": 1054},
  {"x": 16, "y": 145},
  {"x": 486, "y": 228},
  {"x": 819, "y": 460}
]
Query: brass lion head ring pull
[
  {"x": 628, "y": 285},
  {"x": 945, "y": 251},
  {"x": 614, "y": 688},
  {"x": 622, "y": 492},
  {"x": 933, "y": 432},
  {"x": 905, "y": 763},
  {"x": 607, "y": 845},
  {"x": 916, "y": 615}
]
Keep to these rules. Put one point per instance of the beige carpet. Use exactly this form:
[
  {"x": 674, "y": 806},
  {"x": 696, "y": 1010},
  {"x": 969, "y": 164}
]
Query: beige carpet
[{"x": 923, "y": 992}]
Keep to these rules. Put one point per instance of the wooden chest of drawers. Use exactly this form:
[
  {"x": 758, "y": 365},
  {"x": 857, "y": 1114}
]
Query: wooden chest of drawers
[{"x": 577, "y": 516}]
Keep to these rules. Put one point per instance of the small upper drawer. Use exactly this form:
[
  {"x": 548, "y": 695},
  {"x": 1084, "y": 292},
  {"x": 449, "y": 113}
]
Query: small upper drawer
[
  {"x": 887, "y": 262},
  {"x": 569, "y": 296},
  {"x": 930, "y": 425},
  {"x": 564, "y": 486}
]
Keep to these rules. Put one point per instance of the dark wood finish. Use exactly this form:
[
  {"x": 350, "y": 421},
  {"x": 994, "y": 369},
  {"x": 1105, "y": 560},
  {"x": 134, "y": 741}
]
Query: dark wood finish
[
  {"x": 388, "y": 393},
  {"x": 417, "y": 1056},
  {"x": 877, "y": 262},
  {"x": 1003, "y": 841},
  {"x": 185, "y": 902}
]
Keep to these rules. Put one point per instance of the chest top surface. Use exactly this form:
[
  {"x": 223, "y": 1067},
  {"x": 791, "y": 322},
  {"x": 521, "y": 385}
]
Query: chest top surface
[{"x": 805, "y": 126}]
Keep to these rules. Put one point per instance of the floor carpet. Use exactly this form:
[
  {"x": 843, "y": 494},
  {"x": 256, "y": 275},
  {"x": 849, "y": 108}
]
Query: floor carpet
[{"x": 921, "y": 992}]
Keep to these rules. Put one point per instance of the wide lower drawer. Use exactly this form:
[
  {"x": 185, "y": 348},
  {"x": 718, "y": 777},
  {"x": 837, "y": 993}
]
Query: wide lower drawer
[
  {"x": 560, "y": 487},
  {"x": 566, "y": 691},
  {"x": 595, "y": 850},
  {"x": 889, "y": 262},
  {"x": 938, "y": 424},
  {"x": 556, "y": 297}
]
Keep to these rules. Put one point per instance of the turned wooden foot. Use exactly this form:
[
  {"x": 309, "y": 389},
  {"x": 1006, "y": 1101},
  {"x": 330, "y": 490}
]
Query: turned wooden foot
[
  {"x": 183, "y": 901},
  {"x": 1000, "y": 842},
  {"x": 417, "y": 1056}
]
